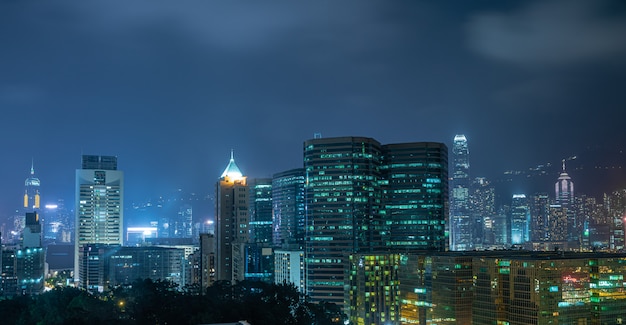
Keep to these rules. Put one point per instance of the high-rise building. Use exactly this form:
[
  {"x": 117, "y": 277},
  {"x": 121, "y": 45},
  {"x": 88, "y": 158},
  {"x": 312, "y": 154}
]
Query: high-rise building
[
  {"x": 539, "y": 212},
  {"x": 32, "y": 199},
  {"x": 415, "y": 195},
  {"x": 520, "y": 220},
  {"x": 288, "y": 208},
  {"x": 99, "y": 205},
  {"x": 261, "y": 210},
  {"x": 564, "y": 193},
  {"x": 343, "y": 200},
  {"x": 460, "y": 219},
  {"x": 232, "y": 223},
  {"x": 483, "y": 212},
  {"x": 258, "y": 252},
  {"x": 30, "y": 259},
  {"x": 361, "y": 197}
]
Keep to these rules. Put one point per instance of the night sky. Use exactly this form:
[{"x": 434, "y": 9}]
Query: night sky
[{"x": 170, "y": 87}]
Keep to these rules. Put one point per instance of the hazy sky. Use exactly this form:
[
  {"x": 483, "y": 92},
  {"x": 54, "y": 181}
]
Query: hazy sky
[{"x": 170, "y": 87}]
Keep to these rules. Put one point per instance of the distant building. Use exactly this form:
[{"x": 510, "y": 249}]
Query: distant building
[
  {"x": 109, "y": 266},
  {"x": 461, "y": 225},
  {"x": 30, "y": 258},
  {"x": 564, "y": 193},
  {"x": 232, "y": 223},
  {"x": 99, "y": 206},
  {"x": 32, "y": 199},
  {"x": 520, "y": 220}
]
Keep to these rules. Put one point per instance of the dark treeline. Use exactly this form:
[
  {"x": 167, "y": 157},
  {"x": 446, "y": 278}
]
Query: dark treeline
[{"x": 160, "y": 302}]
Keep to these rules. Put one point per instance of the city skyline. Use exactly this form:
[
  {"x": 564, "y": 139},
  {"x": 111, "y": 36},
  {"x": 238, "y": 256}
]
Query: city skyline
[{"x": 527, "y": 83}]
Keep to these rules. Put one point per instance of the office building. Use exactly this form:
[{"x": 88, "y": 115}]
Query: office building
[
  {"x": 520, "y": 220},
  {"x": 260, "y": 210},
  {"x": 108, "y": 266},
  {"x": 415, "y": 194},
  {"x": 288, "y": 208},
  {"x": 289, "y": 268},
  {"x": 362, "y": 197},
  {"x": 539, "y": 216},
  {"x": 374, "y": 289},
  {"x": 483, "y": 213},
  {"x": 32, "y": 199},
  {"x": 488, "y": 287},
  {"x": 343, "y": 199},
  {"x": 460, "y": 220},
  {"x": 564, "y": 193},
  {"x": 232, "y": 223},
  {"x": 99, "y": 206}
]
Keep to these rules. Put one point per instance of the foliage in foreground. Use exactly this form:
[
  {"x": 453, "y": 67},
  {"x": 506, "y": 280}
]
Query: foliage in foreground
[{"x": 160, "y": 302}]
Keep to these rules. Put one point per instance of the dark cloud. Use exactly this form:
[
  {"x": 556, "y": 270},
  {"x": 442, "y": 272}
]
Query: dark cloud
[
  {"x": 550, "y": 32},
  {"x": 171, "y": 88}
]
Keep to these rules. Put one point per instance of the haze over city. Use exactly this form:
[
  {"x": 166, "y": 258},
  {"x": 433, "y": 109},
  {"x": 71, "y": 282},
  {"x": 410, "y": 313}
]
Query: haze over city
[{"x": 170, "y": 88}]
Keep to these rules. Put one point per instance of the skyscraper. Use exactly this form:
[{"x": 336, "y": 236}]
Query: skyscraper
[
  {"x": 99, "y": 205},
  {"x": 261, "y": 210},
  {"x": 483, "y": 212},
  {"x": 343, "y": 199},
  {"x": 564, "y": 193},
  {"x": 460, "y": 223},
  {"x": 232, "y": 223},
  {"x": 415, "y": 195},
  {"x": 31, "y": 193},
  {"x": 361, "y": 197},
  {"x": 288, "y": 208},
  {"x": 520, "y": 220}
]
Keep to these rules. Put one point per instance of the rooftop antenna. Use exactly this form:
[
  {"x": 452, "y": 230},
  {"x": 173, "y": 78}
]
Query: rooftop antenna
[{"x": 317, "y": 135}]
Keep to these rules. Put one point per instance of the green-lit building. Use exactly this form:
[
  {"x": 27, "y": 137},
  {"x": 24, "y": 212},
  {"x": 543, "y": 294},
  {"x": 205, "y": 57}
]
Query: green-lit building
[
  {"x": 496, "y": 287},
  {"x": 364, "y": 197},
  {"x": 343, "y": 200}
]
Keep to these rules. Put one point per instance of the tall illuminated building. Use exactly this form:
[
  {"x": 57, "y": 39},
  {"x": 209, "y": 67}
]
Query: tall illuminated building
[
  {"x": 460, "y": 219},
  {"x": 261, "y": 210},
  {"x": 99, "y": 206},
  {"x": 483, "y": 212},
  {"x": 539, "y": 216},
  {"x": 288, "y": 208},
  {"x": 343, "y": 199},
  {"x": 415, "y": 195},
  {"x": 520, "y": 219},
  {"x": 564, "y": 193},
  {"x": 32, "y": 199},
  {"x": 363, "y": 197},
  {"x": 232, "y": 223}
]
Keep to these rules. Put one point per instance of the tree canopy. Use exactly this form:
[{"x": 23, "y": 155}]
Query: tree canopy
[{"x": 161, "y": 302}]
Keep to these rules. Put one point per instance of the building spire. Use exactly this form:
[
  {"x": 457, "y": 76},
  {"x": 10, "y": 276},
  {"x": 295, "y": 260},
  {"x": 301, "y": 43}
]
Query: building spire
[
  {"x": 232, "y": 170},
  {"x": 32, "y": 166},
  {"x": 563, "y": 165}
]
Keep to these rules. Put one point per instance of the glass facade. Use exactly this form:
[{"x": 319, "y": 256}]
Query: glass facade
[
  {"x": 460, "y": 219},
  {"x": 288, "y": 208},
  {"x": 343, "y": 200},
  {"x": 415, "y": 195},
  {"x": 480, "y": 288}
]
